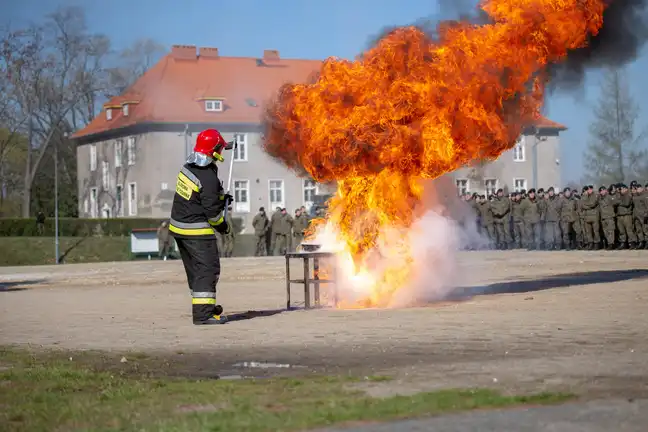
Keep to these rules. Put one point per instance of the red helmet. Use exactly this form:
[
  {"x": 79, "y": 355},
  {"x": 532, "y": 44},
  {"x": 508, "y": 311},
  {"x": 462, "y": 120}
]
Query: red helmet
[{"x": 210, "y": 143}]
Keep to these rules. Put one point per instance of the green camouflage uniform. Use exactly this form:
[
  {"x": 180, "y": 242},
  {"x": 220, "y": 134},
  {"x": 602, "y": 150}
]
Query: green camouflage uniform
[
  {"x": 300, "y": 225},
  {"x": 591, "y": 216},
  {"x": 568, "y": 217},
  {"x": 501, "y": 209},
  {"x": 228, "y": 240},
  {"x": 624, "y": 220},
  {"x": 639, "y": 213},
  {"x": 531, "y": 213},
  {"x": 606, "y": 206},
  {"x": 518, "y": 223},
  {"x": 486, "y": 221},
  {"x": 260, "y": 223},
  {"x": 551, "y": 209},
  {"x": 282, "y": 234}
]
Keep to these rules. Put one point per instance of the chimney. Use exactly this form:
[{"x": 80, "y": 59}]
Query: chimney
[
  {"x": 184, "y": 52},
  {"x": 270, "y": 55},
  {"x": 208, "y": 52}
]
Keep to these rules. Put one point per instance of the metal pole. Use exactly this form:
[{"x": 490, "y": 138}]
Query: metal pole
[
  {"x": 186, "y": 138},
  {"x": 229, "y": 174},
  {"x": 56, "y": 215}
]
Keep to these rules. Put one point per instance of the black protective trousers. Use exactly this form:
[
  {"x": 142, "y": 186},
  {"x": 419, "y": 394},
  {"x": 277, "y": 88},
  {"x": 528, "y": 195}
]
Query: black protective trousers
[{"x": 202, "y": 265}]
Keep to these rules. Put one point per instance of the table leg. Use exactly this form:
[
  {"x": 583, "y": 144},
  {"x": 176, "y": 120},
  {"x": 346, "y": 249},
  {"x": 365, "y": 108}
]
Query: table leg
[
  {"x": 307, "y": 303},
  {"x": 287, "y": 283},
  {"x": 316, "y": 281},
  {"x": 335, "y": 283}
]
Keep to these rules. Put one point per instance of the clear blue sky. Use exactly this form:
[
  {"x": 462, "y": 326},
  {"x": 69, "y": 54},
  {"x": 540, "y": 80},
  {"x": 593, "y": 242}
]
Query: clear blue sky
[{"x": 301, "y": 29}]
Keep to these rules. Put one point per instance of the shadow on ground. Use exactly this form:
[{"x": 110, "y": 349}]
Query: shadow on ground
[
  {"x": 550, "y": 282},
  {"x": 244, "y": 316},
  {"x": 17, "y": 285}
]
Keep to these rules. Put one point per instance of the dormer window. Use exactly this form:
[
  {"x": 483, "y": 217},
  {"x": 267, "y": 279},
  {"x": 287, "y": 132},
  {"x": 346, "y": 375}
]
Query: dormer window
[
  {"x": 214, "y": 105},
  {"x": 125, "y": 110},
  {"x": 109, "y": 113}
]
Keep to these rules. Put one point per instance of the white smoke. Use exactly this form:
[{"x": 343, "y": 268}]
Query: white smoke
[{"x": 434, "y": 240}]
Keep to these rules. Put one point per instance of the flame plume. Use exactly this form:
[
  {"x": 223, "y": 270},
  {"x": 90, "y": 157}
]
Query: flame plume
[{"x": 414, "y": 108}]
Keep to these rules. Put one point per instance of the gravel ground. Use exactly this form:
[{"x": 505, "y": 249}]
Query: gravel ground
[{"x": 559, "y": 321}]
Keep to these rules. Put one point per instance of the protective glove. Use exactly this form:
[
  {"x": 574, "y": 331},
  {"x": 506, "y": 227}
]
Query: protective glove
[
  {"x": 223, "y": 228},
  {"x": 229, "y": 199}
]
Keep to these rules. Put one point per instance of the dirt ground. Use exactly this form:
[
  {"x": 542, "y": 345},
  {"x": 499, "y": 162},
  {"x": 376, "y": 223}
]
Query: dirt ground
[{"x": 559, "y": 321}]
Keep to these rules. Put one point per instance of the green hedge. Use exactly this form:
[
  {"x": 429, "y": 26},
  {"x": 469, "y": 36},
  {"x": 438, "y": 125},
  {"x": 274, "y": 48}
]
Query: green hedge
[{"x": 73, "y": 227}]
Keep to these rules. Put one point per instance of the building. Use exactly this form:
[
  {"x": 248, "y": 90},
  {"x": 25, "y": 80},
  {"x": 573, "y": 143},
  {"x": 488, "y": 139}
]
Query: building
[
  {"x": 129, "y": 155},
  {"x": 534, "y": 162}
]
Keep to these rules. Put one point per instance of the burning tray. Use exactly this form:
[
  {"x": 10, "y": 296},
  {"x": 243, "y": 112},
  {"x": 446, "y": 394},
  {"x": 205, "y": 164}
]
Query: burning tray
[{"x": 310, "y": 247}]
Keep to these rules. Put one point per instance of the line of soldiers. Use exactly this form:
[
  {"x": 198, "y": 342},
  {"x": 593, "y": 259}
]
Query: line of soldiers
[
  {"x": 281, "y": 233},
  {"x": 614, "y": 218}
]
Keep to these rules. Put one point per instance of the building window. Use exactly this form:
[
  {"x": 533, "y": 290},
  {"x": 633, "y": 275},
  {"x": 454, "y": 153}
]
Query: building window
[
  {"x": 93, "y": 157},
  {"x": 119, "y": 201},
  {"x": 491, "y": 186},
  {"x": 463, "y": 186},
  {"x": 241, "y": 196},
  {"x": 213, "y": 105},
  {"x": 118, "y": 153},
  {"x": 93, "y": 202},
  {"x": 276, "y": 188},
  {"x": 132, "y": 199},
  {"x": 164, "y": 186},
  {"x": 125, "y": 110},
  {"x": 105, "y": 175},
  {"x": 240, "y": 152},
  {"x": 310, "y": 190},
  {"x": 130, "y": 149},
  {"x": 519, "y": 184},
  {"x": 518, "y": 150},
  {"x": 108, "y": 113}
]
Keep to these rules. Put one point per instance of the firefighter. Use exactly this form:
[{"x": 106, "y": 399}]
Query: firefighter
[{"x": 197, "y": 214}]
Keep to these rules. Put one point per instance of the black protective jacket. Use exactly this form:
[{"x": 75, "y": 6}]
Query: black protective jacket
[{"x": 198, "y": 203}]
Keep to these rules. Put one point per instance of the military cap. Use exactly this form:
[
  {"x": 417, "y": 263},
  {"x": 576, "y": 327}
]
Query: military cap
[
  {"x": 523, "y": 191},
  {"x": 646, "y": 186},
  {"x": 622, "y": 186},
  {"x": 633, "y": 183},
  {"x": 532, "y": 190},
  {"x": 566, "y": 189},
  {"x": 500, "y": 190},
  {"x": 585, "y": 188},
  {"x": 540, "y": 190},
  {"x": 261, "y": 209},
  {"x": 602, "y": 188}
]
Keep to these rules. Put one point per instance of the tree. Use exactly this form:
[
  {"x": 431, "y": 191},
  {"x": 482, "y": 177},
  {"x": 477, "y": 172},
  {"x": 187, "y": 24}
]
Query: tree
[
  {"x": 133, "y": 62},
  {"x": 614, "y": 153}
]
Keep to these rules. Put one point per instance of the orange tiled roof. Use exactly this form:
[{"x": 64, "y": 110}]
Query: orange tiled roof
[{"x": 175, "y": 89}]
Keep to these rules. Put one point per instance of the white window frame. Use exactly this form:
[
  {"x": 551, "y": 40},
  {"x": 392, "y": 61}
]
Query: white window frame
[
  {"x": 108, "y": 113},
  {"x": 276, "y": 204},
  {"x": 94, "y": 202},
  {"x": 93, "y": 157},
  {"x": 132, "y": 203},
  {"x": 241, "y": 206},
  {"x": 486, "y": 189},
  {"x": 519, "y": 150},
  {"x": 119, "y": 153},
  {"x": 119, "y": 200},
  {"x": 240, "y": 153},
  {"x": 213, "y": 105},
  {"x": 125, "y": 110},
  {"x": 315, "y": 188},
  {"x": 515, "y": 186},
  {"x": 130, "y": 151},
  {"x": 105, "y": 175},
  {"x": 457, "y": 181}
]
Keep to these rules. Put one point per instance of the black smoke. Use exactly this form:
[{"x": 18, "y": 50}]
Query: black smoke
[{"x": 619, "y": 42}]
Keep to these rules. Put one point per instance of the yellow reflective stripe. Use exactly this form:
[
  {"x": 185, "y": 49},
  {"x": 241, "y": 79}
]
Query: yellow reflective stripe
[
  {"x": 203, "y": 301},
  {"x": 190, "y": 232},
  {"x": 217, "y": 221},
  {"x": 184, "y": 179}
]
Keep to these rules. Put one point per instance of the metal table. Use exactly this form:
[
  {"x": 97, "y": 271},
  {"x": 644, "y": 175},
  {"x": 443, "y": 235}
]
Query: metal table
[{"x": 308, "y": 280}]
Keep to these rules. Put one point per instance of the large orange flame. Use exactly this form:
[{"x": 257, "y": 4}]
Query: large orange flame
[{"x": 414, "y": 108}]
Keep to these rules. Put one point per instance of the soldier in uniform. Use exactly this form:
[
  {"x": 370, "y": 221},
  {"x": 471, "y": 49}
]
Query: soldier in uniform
[
  {"x": 552, "y": 220},
  {"x": 542, "y": 208},
  {"x": 518, "y": 220},
  {"x": 639, "y": 213},
  {"x": 627, "y": 237},
  {"x": 300, "y": 225},
  {"x": 486, "y": 220},
  {"x": 260, "y": 223},
  {"x": 607, "y": 203},
  {"x": 229, "y": 237},
  {"x": 591, "y": 216},
  {"x": 568, "y": 218},
  {"x": 531, "y": 214},
  {"x": 274, "y": 226},
  {"x": 501, "y": 208},
  {"x": 284, "y": 228}
]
